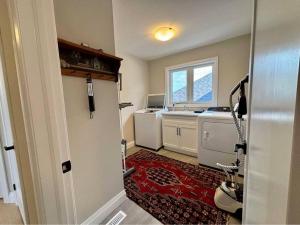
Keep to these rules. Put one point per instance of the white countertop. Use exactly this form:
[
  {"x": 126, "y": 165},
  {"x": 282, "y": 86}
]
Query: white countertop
[
  {"x": 206, "y": 114},
  {"x": 180, "y": 113},
  {"x": 150, "y": 111},
  {"x": 221, "y": 115}
]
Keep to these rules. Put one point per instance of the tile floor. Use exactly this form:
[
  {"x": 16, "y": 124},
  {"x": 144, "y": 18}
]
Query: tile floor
[{"x": 9, "y": 214}]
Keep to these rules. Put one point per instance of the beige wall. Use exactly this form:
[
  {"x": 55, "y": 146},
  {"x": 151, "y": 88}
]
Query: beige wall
[
  {"x": 142, "y": 77},
  {"x": 89, "y": 21},
  {"x": 135, "y": 88},
  {"x": 95, "y": 143},
  {"x": 233, "y": 57},
  {"x": 293, "y": 210},
  {"x": 294, "y": 183},
  {"x": 135, "y": 81}
]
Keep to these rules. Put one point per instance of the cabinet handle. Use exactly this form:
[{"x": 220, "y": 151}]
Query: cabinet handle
[{"x": 179, "y": 131}]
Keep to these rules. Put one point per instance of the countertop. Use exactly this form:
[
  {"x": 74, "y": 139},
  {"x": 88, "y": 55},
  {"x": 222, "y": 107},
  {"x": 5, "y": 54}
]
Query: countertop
[{"x": 205, "y": 114}]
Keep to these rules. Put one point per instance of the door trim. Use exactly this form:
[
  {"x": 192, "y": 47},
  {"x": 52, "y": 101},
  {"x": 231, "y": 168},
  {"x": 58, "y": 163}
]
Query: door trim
[
  {"x": 251, "y": 62},
  {"x": 38, "y": 113},
  {"x": 3, "y": 177},
  {"x": 3, "y": 180}
]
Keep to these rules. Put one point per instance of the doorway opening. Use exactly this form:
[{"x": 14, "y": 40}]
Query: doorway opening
[{"x": 180, "y": 148}]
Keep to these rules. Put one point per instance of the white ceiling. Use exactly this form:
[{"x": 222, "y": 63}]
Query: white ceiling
[{"x": 198, "y": 23}]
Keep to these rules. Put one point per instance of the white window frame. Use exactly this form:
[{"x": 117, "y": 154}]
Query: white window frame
[{"x": 189, "y": 65}]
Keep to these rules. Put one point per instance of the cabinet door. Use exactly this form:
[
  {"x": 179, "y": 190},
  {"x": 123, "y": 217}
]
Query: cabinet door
[
  {"x": 170, "y": 135},
  {"x": 188, "y": 138}
]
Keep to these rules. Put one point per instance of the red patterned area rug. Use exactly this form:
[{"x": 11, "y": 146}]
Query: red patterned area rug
[{"x": 172, "y": 191}]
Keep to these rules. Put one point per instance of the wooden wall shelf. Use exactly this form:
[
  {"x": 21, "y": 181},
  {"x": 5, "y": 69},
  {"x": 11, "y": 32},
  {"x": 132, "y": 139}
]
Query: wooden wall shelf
[{"x": 81, "y": 61}]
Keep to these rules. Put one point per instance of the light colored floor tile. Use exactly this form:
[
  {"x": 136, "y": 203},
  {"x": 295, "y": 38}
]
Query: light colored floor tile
[
  {"x": 9, "y": 214},
  {"x": 167, "y": 153}
]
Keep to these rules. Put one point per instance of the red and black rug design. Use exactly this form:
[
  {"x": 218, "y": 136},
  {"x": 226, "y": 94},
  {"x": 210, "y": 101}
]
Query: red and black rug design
[{"x": 172, "y": 191}]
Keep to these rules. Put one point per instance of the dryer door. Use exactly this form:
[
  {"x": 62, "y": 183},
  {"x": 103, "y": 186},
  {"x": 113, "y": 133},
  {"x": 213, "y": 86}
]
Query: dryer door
[{"x": 219, "y": 136}]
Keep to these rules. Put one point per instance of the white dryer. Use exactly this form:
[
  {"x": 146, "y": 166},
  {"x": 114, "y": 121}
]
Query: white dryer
[{"x": 217, "y": 139}]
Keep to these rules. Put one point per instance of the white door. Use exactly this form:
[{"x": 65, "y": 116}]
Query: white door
[
  {"x": 10, "y": 180},
  {"x": 170, "y": 135},
  {"x": 188, "y": 138},
  {"x": 272, "y": 188}
]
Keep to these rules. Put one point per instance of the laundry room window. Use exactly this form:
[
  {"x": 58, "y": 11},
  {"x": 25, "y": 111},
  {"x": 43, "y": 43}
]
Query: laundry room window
[
  {"x": 179, "y": 85},
  {"x": 193, "y": 84}
]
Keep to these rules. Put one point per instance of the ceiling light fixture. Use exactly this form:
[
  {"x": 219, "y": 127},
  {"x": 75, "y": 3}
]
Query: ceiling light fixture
[{"x": 164, "y": 33}]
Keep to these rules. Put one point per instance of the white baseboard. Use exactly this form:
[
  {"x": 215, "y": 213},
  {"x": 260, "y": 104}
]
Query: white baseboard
[
  {"x": 11, "y": 197},
  {"x": 106, "y": 209},
  {"x": 130, "y": 144}
]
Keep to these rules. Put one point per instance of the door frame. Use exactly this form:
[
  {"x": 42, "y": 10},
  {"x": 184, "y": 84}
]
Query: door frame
[
  {"x": 36, "y": 102},
  {"x": 3, "y": 180},
  {"x": 11, "y": 178},
  {"x": 5, "y": 159},
  {"x": 251, "y": 62}
]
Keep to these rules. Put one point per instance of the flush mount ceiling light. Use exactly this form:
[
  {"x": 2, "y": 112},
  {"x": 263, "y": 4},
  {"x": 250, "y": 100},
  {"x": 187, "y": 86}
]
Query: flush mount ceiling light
[{"x": 164, "y": 33}]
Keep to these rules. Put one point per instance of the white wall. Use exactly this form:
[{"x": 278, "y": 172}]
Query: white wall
[
  {"x": 135, "y": 88},
  {"x": 233, "y": 56},
  {"x": 95, "y": 144}
]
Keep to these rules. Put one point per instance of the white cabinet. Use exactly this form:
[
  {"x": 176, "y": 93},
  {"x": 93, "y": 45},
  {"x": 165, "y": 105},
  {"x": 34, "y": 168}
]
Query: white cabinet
[
  {"x": 180, "y": 134},
  {"x": 170, "y": 134},
  {"x": 188, "y": 137}
]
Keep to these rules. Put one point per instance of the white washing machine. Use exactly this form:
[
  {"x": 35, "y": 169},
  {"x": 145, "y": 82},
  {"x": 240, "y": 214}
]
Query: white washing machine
[
  {"x": 148, "y": 123},
  {"x": 217, "y": 139},
  {"x": 148, "y": 128}
]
